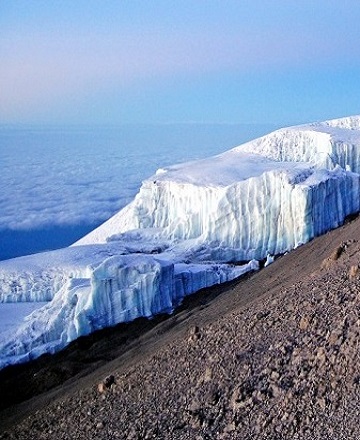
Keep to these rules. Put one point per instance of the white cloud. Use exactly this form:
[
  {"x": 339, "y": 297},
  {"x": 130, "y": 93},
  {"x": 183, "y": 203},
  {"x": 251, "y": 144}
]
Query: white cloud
[
  {"x": 36, "y": 193},
  {"x": 68, "y": 178}
]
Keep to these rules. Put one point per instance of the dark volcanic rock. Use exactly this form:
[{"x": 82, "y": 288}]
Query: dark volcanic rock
[{"x": 275, "y": 357}]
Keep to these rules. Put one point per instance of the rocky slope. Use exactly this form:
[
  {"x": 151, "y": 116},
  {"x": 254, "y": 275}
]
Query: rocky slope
[{"x": 275, "y": 356}]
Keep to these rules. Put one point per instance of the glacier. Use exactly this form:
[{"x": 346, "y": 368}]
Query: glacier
[
  {"x": 188, "y": 228},
  {"x": 120, "y": 288},
  {"x": 266, "y": 196}
]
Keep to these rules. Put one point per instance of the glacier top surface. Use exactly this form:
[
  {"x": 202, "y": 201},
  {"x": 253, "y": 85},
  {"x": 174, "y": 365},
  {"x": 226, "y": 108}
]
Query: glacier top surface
[
  {"x": 76, "y": 256},
  {"x": 226, "y": 169},
  {"x": 340, "y": 130},
  {"x": 262, "y": 155}
]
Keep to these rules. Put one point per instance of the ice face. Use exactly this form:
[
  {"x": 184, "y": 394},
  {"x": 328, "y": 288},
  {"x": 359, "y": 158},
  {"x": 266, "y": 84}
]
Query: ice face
[
  {"x": 183, "y": 229},
  {"x": 324, "y": 144},
  {"x": 120, "y": 289},
  {"x": 241, "y": 218}
]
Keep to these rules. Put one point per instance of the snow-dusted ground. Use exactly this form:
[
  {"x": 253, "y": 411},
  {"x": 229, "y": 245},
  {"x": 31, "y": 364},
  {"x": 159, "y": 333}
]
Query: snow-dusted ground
[{"x": 183, "y": 231}]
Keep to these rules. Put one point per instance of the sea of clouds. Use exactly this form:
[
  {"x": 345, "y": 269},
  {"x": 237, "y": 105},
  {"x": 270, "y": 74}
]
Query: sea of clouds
[{"x": 57, "y": 183}]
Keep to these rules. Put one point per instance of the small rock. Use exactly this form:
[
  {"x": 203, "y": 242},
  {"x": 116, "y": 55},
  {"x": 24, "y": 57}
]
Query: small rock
[
  {"x": 334, "y": 337},
  {"x": 354, "y": 271},
  {"x": 274, "y": 375},
  {"x": 304, "y": 323},
  {"x": 321, "y": 355},
  {"x": 100, "y": 425},
  {"x": 262, "y": 314},
  {"x": 276, "y": 391},
  {"x": 106, "y": 383},
  {"x": 213, "y": 396},
  {"x": 230, "y": 427},
  {"x": 356, "y": 380},
  {"x": 322, "y": 403},
  {"x": 336, "y": 254},
  {"x": 207, "y": 375},
  {"x": 194, "y": 334},
  {"x": 194, "y": 330},
  {"x": 194, "y": 407},
  {"x": 101, "y": 387},
  {"x": 109, "y": 380}
]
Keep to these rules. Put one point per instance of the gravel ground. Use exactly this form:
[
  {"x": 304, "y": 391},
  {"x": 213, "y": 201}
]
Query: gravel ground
[{"x": 275, "y": 356}]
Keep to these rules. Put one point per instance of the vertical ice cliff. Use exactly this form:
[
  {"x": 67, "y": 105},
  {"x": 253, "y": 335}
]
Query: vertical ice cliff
[
  {"x": 266, "y": 196},
  {"x": 120, "y": 289},
  {"x": 273, "y": 212}
]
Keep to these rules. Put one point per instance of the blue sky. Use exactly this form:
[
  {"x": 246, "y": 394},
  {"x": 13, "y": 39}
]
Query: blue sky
[{"x": 115, "y": 62}]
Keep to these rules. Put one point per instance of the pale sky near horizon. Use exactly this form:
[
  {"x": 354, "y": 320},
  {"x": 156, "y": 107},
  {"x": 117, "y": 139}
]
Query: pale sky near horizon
[{"x": 164, "y": 61}]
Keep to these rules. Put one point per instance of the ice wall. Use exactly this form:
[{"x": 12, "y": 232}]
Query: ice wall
[
  {"x": 36, "y": 278},
  {"x": 120, "y": 289},
  {"x": 266, "y": 196},
  {"x": 324, "y": 144}
]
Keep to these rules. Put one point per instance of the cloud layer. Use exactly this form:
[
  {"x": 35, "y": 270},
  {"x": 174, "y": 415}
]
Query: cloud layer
[{"x": 83, "y": 176}]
